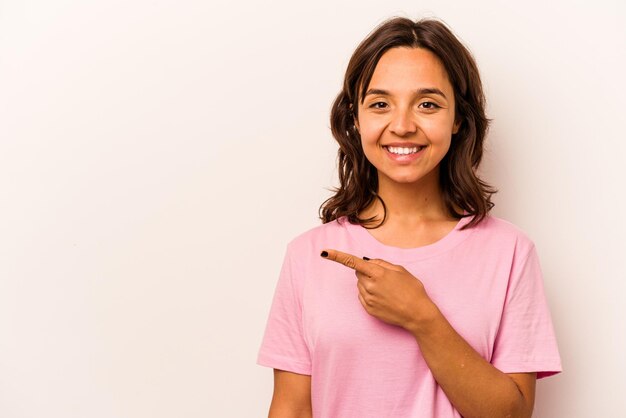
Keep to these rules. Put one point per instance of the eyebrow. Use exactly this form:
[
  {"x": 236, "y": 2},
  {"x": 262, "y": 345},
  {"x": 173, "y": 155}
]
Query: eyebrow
[{"x": 422, "y": 91}]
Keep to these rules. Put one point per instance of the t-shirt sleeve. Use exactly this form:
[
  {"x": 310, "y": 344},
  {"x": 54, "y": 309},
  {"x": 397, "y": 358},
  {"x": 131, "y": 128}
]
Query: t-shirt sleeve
[
  {"x": 526, "y": 341},
  {"x": 284, "y": 346}
]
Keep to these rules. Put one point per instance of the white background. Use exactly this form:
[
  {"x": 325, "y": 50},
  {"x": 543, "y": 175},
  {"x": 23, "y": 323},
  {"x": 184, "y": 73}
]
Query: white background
[{"x": 157, "y": 156}]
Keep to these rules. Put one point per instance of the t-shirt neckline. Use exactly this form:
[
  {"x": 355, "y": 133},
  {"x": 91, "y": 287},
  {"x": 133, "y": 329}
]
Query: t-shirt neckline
[{"x": 373, "y": 248}]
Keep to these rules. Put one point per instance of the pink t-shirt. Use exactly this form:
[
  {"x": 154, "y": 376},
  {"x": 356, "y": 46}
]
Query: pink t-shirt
[{"x": 486, "y": 280}]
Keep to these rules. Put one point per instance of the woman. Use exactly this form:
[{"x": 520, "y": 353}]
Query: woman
[{"x": 410, "y": 300}]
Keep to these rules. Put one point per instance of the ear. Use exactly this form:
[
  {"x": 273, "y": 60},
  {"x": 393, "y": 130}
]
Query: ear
[{"x": 456, "y": 126}]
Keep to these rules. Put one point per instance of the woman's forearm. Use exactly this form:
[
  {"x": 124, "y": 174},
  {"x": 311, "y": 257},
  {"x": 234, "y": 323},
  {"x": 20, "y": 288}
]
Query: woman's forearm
[{"x": 474, "y": 386}]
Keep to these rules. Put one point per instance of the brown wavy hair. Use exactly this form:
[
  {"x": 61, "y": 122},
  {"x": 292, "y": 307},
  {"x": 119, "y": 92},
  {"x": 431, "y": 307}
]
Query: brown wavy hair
[{"x": 464, "y": 193}]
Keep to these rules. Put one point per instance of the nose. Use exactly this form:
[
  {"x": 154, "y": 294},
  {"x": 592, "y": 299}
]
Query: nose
[{"x": 403, "y": 123}]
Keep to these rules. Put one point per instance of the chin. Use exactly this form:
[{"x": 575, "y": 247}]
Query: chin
[
  {"x": 413, "y": 178},
  {"x": 407, "y": 180}
]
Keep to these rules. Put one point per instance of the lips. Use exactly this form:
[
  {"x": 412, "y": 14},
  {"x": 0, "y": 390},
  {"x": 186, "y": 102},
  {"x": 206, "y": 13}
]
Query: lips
[
  {"x": 403, "y": 150},
  {"x": 405, "y": 153}
]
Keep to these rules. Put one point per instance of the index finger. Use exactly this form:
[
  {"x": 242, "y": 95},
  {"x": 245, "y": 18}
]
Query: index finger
[{"x": 353, "y": 262}]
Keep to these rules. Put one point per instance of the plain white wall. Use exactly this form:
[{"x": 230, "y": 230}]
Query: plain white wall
[{"x": 157, "y": 155}]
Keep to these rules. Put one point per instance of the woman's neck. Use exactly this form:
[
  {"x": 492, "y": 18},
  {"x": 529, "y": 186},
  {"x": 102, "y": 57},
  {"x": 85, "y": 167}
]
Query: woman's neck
[
  {"x": 416, "y": 214},
  {"x": 408, "y": 203}
]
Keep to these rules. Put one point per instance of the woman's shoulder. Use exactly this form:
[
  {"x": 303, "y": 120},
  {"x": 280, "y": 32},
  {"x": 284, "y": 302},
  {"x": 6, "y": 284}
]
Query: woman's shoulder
[
  {"x": 503, "y": 231},
  {"x": 495, "y": 223},
  {"x": 493, "y": 228},
  {"x": 321, "y": 234}
]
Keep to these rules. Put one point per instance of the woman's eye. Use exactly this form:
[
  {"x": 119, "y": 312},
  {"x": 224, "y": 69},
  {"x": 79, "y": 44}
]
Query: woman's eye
[
  {"x": 378, "y": 105},
  {"x": 429, "y": 105}
]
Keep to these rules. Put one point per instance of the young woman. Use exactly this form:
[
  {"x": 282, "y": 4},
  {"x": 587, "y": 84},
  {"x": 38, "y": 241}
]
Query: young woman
[{"x": 410, "y": 300}]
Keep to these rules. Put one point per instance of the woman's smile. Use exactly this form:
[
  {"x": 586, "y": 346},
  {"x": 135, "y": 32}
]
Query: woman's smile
[{"x": 404, "y": 153}]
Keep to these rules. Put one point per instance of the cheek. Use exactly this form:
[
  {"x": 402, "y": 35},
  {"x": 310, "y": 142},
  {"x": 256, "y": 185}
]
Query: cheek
[
  {"x": 437, "y": 128},
  {"x": 370, "y": 141},
  {"x": 371, "y": 133}
]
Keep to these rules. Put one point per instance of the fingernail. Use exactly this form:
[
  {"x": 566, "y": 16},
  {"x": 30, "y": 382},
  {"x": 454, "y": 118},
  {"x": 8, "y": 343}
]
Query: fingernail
[
  {"x": 366, "y": 258},
  {"x": 324, "y": 254}
]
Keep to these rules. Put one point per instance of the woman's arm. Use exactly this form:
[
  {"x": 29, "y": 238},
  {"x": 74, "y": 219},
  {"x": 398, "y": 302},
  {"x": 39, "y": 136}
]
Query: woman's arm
[
  {"x": 473, "y": 385},
  {"x": 292, "y": 395}
]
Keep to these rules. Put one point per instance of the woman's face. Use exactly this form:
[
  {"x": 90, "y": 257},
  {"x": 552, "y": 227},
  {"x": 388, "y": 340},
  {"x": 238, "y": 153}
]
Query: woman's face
[{"x": 406, "y": 119}]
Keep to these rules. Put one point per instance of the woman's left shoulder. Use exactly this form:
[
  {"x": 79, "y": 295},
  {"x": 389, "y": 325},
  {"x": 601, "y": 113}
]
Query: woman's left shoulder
[{"x": 501, "y": 230}]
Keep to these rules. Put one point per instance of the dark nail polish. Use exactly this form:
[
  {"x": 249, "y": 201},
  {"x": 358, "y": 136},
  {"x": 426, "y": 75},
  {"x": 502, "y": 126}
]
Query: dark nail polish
[
  {"x": 324, "y": 254},
  {"x": 366, "y": 258}
]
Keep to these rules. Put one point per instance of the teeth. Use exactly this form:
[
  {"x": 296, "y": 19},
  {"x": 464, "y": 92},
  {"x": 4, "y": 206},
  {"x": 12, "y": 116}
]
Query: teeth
[{"x": 402, "y": 150}]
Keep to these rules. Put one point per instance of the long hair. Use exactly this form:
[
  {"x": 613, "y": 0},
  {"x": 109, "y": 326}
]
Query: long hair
[{"x": 464, "y": 193}]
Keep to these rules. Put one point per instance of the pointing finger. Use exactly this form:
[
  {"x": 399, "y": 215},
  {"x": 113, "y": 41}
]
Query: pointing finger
[{"x": 352, "y": 262}]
